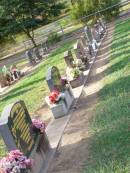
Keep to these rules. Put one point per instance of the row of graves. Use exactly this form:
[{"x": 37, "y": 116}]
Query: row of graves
[
  {"x": 26, "y": 139},
  {"x": 35, "y": 55},
  {"x": 9, "y": 75}
]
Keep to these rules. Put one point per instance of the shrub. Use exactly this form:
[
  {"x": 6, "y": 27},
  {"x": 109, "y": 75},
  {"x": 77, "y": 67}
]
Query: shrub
[{"x": 54, "y": 38}]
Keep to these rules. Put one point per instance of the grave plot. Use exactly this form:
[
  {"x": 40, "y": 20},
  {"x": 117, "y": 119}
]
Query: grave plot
[
  {"x": 19, "y": 132},
  {"x": 61, "y": 97},
  {"x": 74, "y": 75}
]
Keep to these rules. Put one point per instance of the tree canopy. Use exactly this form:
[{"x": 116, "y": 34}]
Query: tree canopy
[{"x": 25, "y": 15}]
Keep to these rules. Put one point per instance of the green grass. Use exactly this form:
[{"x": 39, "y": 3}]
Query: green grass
[
  {"x": 33, "y": 88},
  {"x": 110, "y": 127}
]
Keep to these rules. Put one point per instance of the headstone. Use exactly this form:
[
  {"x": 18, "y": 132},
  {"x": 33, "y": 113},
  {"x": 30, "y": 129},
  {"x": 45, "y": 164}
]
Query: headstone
[
  {"x": 96, "y": 33},
  {"x": 53, "y": 79},
  {"x": 86, "y": 45},
  {"x": 15, "y": 128},
  {"x": 54, "y": 82},
  {"x": 17, "y": 133},
  {"x": 81, "y": 52},
  {"x": 88, "y": 34},
  {"x": 91, "y": 41},
  {"x": 37, "y": 54},
  {"x": 30, "y": 57},
  {"x": 68, "y": 57},
  {"x": 3, "y": 81},
  {"x": 102, "y": 23},
  {"x": 44, "y": 47}
]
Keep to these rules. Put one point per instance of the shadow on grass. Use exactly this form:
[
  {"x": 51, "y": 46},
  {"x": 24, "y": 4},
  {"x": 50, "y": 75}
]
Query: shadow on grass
[
  {"x": 117, "y": 87},
  {"x": 16, "y": 94},
  {"x": 21, "y": 87}
]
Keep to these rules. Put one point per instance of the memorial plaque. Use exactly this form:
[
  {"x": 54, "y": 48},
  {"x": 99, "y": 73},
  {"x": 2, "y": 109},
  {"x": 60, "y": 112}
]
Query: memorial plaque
[
  {"x": 53, "y": 79},
  {"x": 68, "y": 57},
  {"x": 15, "y": 128}
]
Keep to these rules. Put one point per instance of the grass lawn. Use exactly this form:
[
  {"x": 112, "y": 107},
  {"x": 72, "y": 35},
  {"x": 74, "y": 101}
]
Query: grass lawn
[
  {"x": 33, "y": 88},
  {"x": 110, "y": 127}
]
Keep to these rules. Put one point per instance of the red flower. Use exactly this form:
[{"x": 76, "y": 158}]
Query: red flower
[{"x": 53, "y": 96}]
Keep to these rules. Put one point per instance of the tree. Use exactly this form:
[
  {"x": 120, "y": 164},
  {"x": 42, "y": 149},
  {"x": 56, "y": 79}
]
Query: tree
[
  {"x": 21, "y": 15},
  {"x": 82, "y": 8}
]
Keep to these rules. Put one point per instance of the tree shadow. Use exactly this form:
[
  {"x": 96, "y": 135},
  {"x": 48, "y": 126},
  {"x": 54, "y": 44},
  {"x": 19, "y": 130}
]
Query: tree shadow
[
  {"x": 16, "y": 94},
  {"x": 116, "y": 88},
  {"x": 20, "y": 88},
  {"x": 118, "y": 66}
]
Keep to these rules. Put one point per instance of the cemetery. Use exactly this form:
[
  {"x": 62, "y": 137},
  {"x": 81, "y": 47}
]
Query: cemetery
[{"x": 69, "y": 113}]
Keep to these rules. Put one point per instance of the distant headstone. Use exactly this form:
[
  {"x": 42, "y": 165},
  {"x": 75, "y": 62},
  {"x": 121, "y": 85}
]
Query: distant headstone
[
  {"x": 68, "y": 57},
  {"x": 88, "y": 34},
  {"x": 53, "y": 79},
  {"x": 96, "y": 33},
  {"x": 3, "y": 81},
  {"x": 30, "y": 57},
  {"x": 81, "y": 52},
  {"x": 45, "y": 47},
  {"x": 15, "y": 128},
  {"x": 37, "y": 54}
]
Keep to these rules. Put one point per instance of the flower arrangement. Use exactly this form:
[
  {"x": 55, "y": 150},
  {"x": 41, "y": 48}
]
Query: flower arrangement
[
  {"x": 54, "y": 97},
  {"x": 38, "y": 126},
  {"x": 64, "y": 81},
  {"x": 78, "y": 63},
  {"x": 15, "y": 162},
  {"x": 75, "y": 73}
]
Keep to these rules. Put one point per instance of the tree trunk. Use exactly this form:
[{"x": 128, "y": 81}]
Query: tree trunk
[{"x": 31, "y": 38}]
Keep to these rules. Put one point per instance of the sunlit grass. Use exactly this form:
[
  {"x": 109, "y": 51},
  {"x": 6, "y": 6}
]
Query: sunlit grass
[{"x": 110, "y": 127}]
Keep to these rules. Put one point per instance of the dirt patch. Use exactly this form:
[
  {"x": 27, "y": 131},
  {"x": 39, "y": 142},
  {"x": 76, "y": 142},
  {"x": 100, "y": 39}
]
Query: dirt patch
[{"x": 73, "y": 152}]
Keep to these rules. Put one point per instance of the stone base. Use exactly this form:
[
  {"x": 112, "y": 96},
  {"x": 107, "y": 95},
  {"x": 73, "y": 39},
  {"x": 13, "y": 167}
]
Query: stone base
[
  {"x": 77, "y": 82},
  {"x": 40, "y": 153},
  {"x": 60, "y": 109},
  {"x": 69, "y": 98}
]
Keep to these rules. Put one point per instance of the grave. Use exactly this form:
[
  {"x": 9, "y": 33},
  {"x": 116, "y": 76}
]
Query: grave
[
  {"x": 45, "y": 48},
  {"x": 54, "y": 82},
  {"x": 70, "y": 57},
  {"x": 96, "y": 33},
  {"x": 81, "y": 52},
  {"x": 37, "y": 54},
  {"x": 3, "y": 81},
  {"x": 91, "y": 41},
  {"x": 86, "y": 45},
  {"x": 17, "y": 133},
  {"x": 30, "y": 56}
]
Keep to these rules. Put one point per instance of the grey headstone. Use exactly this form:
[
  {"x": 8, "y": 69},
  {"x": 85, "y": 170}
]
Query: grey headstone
[
  {"x": 37, "y": 54},
  {"x": 88, "y": 34},
  {"x": 68, "y": 57},
  {"x": 15, "y": 128},
  {"x": 30, "y": 56},
  {"x": 53, "y": 79}
]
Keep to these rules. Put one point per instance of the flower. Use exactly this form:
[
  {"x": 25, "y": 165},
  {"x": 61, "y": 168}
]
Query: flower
[
  {"x": 75, "y": 73},
  {"x": 38, "y": 124},
  {"x": 54, "y": 97},
  {"x": 14, "y": 162},
  {"x": 64, "y": 81}
]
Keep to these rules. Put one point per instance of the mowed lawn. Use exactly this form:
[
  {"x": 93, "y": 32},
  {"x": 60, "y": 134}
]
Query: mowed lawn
[
  {"x": 33, "y": 89},
  {"x": 110, "y": 127}
]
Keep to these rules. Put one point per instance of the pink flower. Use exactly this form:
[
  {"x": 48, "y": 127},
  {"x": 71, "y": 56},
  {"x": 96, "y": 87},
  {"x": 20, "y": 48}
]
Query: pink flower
[{"x": 38, "y": 124}]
